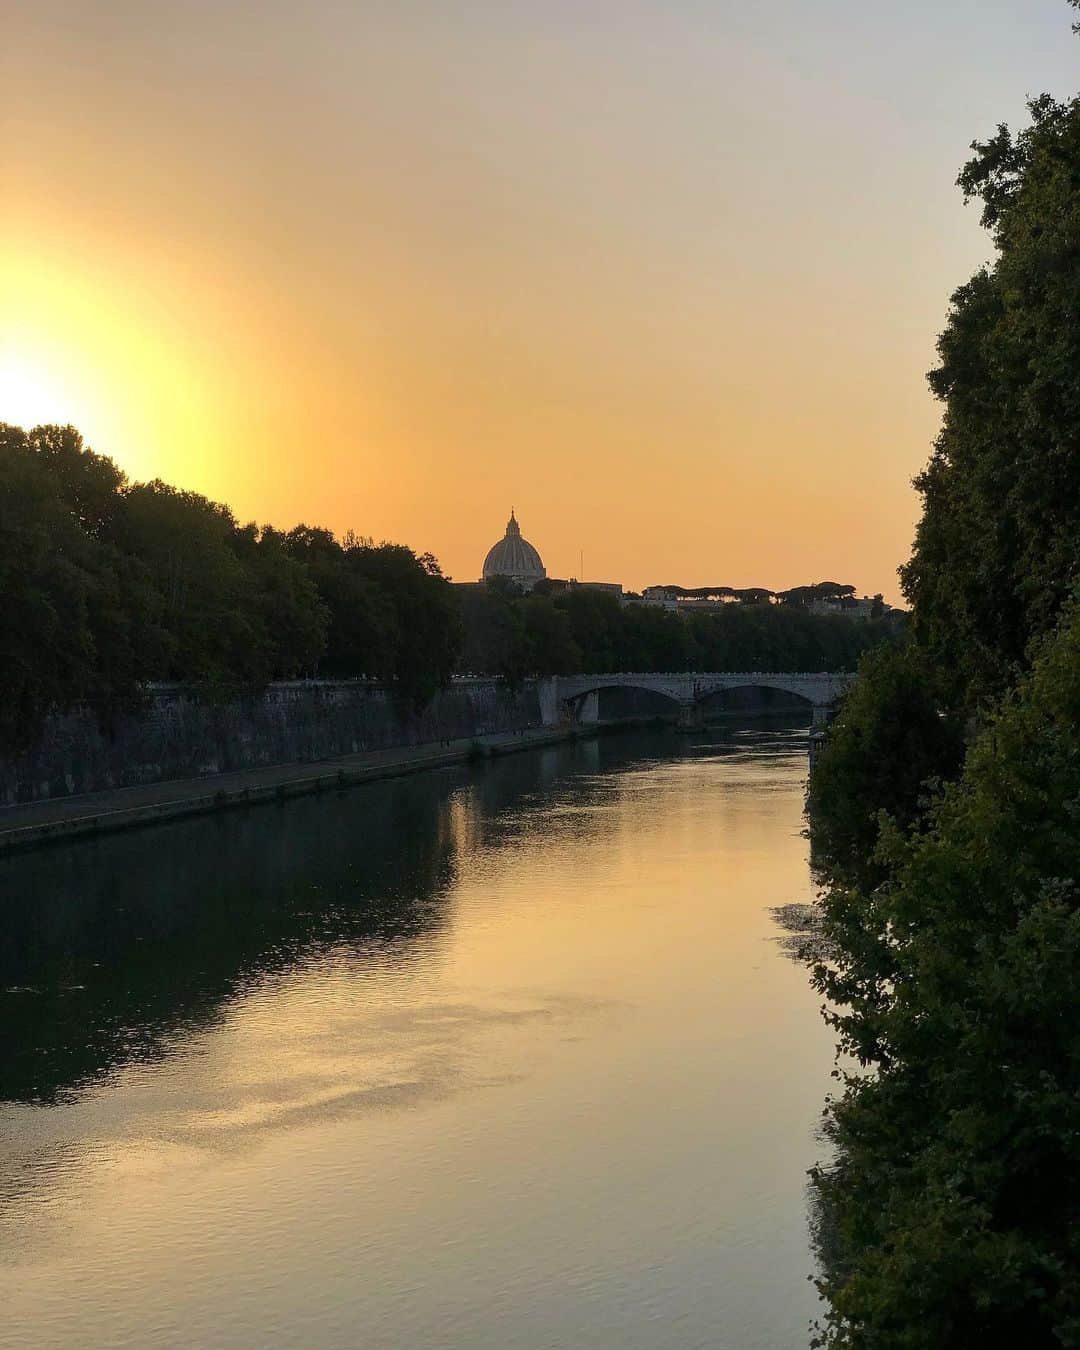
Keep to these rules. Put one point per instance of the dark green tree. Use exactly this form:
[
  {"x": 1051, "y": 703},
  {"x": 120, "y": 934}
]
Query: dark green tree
[
  {"x": 426, "y": 613},
  {"x": 79, "y": 620},
  {"x": 211, "y": 607},
  {"x": 363, "y": 626},
  {"x": 108, "y": 586},
  {"x": 494, "y": 640},
  {"x": 995, "y": 552},
  {"x": 550, "y": 648},
  {"x": 954, "y": 1202},
  {"x": 951, "y": 1205},
  {"x": 89, "y": 485},
  {"x": 595, "y": 623},
  {"x": 653, "y": 639},
  {"x": 892, "y": 739},
  {"x": 604, "y": 635},
  {"x": 293, "y": 615}
]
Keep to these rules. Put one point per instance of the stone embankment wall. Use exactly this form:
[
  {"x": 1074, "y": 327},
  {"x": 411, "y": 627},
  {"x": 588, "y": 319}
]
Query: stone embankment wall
[{"x": 182, "y": 735}]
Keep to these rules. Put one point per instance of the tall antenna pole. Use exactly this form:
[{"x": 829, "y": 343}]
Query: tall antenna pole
[{"x": 581, "y": 565}]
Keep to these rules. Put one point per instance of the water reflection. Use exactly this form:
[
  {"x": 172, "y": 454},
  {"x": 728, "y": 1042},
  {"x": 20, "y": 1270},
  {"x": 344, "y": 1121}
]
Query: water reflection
[
  {"x": 111, "y": 946},
  {"x": 532, "y": 1011}
]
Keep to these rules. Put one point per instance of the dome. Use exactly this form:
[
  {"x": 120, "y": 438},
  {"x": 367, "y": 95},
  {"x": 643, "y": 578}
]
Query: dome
[{"x": 515, "y": 558}]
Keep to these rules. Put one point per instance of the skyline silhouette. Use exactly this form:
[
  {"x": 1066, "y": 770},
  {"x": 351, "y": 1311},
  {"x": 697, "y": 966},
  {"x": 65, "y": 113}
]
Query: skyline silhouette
[{"x": 669, "y": 272}]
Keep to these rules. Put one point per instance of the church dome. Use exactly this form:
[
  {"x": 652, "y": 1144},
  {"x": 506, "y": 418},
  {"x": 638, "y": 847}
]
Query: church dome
[{"x": 515, "y": 558}]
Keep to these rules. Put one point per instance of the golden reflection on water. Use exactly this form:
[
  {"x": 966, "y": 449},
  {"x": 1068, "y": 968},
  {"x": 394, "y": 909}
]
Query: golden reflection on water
[{"x": 553, "y": 1085}]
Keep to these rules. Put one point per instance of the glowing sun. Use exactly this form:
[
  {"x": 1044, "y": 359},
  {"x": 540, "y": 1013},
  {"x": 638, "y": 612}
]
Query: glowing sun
[{"x": 29, "y": 395}]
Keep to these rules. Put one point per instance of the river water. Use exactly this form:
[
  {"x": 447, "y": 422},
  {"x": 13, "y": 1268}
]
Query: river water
[{"x": 505, "y": 1058}]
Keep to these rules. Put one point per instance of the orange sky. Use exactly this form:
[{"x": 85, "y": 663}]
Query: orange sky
[{"x": 665, "y": 277}]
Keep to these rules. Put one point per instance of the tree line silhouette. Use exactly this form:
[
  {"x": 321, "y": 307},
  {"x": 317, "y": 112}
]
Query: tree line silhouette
[
  {"x": 557, "y": 630},
  {"x": 109, "y": 586}
]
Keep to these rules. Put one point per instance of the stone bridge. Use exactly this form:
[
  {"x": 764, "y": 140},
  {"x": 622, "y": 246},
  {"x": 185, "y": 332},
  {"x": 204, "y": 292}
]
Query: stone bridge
[{"x": 578, "y": 696}]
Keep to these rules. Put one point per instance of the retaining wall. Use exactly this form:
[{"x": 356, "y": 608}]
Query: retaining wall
[{"x": 183, "y": 735}]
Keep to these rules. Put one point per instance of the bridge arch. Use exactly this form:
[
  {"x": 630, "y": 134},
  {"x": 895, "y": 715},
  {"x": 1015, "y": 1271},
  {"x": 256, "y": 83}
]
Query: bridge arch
[
  {"x": 718, "y": 696},
  {"x": 584, "y": 704},
  {"x": 578, "y": 695}
]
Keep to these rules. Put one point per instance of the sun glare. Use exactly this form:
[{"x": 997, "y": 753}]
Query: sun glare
[{"x": 30, "y": 396}]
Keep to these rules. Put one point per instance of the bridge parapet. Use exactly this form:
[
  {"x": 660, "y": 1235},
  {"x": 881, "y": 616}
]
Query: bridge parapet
[{"x": 578, "y": 694}]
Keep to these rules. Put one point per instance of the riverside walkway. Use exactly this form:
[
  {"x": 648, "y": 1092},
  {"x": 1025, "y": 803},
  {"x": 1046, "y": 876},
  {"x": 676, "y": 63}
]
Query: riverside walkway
[
  {"x": 569, "y": 707},
  {"x": 122, "y": 808}
]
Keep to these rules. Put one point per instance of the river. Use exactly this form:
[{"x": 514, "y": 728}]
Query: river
[{"x": 494, "y": 1058}]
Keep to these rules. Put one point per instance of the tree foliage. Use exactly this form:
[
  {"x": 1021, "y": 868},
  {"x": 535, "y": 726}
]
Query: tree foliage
[
  {"x": 955, "y": 1202},
  {"x": 892, "y": 740},
  {"x": 945, "y": 822},
  {"x": 833, "y": 592},
  {"x": 79, "y": 620},
  {"x": 995, "y": 552},
  {"x": 109, "y": 585},
  {"x": 581, "y": 630},
  {"x": 423, "y": 612}
]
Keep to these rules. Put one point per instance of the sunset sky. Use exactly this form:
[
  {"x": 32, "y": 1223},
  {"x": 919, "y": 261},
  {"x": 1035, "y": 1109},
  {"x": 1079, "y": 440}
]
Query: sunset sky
[{"x": 664, "y": 276}]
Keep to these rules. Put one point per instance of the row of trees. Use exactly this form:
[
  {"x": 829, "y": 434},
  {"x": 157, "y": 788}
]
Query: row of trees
[
  {"x": 945, "y": 819},
  {"x": 107, "y": 585},
  {"x": 800, "y": 597},
  {"x": 578, "y": 629}
]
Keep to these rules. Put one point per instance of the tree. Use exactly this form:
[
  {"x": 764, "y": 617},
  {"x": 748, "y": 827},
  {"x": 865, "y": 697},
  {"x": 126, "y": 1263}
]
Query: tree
[
  {"x": 45, "y": 578},
  {"x": 648, "y": 638},
  {"x": 79, "y": 619},
  {"x": 211, "y": 607},
  {"x": 955, "y": 1195},
  {"x": 109, "y": 585},
  {"x": 953, "y": 908},
  {"x": 602, "y": 635},
  {"x": 89, "y": 485},
  {"x": 550, "y": 648},
  {"x": 494, "y": 640},
  {"x": 363, "y": 628},
  {"x": 594, "y": 620},
  {"x": 995, "y": 554},
  {"x": 893, "y": 738},
  {"x": 293, "y": 615},
  {"x": 428, "y": 620}
]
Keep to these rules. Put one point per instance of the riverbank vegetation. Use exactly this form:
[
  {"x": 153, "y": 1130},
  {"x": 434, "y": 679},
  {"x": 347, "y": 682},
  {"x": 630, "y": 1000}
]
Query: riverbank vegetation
[
  {"x": 576, "y": 629},
  {"x": 109, "y": 585},
  {"x": 945, "y": 820}
]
